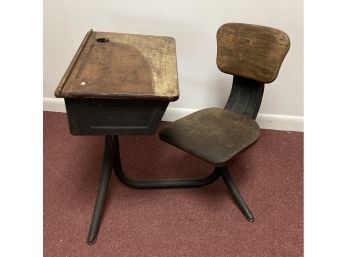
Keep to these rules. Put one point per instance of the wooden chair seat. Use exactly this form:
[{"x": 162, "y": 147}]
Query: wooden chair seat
[{"x": 214, "y": 135}]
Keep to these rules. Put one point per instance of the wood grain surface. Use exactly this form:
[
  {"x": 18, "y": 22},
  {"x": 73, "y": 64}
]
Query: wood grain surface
[
  {"x": 251, "y": 51},
  {"x": 213, "y": 134},
  {"x": 122, "y": 66}
]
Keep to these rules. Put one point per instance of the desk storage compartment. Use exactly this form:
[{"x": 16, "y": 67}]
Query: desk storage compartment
[{"x": 114, "y": 116}]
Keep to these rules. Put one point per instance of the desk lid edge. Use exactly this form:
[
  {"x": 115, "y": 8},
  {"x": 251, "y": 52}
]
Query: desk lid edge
[{"x": 59, "y": 89}]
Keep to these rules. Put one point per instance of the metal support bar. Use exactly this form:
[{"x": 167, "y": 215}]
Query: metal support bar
[
  {"x": 112, "y": 159},
  {"x": 236, "y": 195},
  {"x": 245, "y": 97},
  {"x": 164, "y": 183},
  {"x": 104, "y": 182}
]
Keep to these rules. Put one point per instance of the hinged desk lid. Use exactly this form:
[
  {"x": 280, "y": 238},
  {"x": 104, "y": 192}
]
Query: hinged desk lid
[{"x": 122, "y": 66}]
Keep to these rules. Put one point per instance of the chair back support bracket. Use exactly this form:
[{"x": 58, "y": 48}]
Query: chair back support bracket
[{"x": 245, "y": 97}]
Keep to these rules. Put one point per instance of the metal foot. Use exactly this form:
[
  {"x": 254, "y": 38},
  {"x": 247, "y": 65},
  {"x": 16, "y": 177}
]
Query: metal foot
[
  {"x": 104, "y": 182},
  {"x": 235, "y": 193},
  {"x": 163, "y": 183}
]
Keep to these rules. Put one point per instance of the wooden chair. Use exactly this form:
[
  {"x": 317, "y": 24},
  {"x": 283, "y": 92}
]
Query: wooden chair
[{"x": 253, "y": 54}]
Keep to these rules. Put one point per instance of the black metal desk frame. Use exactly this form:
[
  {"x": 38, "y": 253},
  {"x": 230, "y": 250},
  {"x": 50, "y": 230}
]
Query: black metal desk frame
[{"x": 112, "y": 161}]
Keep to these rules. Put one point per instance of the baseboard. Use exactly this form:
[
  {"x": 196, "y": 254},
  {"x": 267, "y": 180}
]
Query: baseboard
[
  {"x": 280, "y": 122},
  {"x": 54, "y": 105},
  {"x": 266, "y": 121}
]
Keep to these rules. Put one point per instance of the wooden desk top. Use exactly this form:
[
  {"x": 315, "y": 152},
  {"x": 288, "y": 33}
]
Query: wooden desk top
[{"x": 122, "y": 66}]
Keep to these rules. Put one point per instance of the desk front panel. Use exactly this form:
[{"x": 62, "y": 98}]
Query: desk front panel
[{"x": 114, "y": 117}]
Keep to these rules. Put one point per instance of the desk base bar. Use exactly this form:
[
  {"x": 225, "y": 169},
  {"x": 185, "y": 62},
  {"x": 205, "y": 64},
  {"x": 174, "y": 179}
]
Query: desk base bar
[
  {"x": 158, "y": 184},
  {"x": 112, "y": 159}
]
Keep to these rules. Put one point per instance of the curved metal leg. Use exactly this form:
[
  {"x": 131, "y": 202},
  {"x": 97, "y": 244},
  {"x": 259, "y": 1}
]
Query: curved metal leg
[
  {"x": 104, "y": 182},
  {"x": 164, "y": 183},
  {"x": 112, "y": 159},
  {"x": 235, "y": 193}
]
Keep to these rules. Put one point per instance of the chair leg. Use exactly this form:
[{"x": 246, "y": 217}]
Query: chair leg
[
  {"x": 103, "y": 187},
  {"x": 235, "y": 193}
]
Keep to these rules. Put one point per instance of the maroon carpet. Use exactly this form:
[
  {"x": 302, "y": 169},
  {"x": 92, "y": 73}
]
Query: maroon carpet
[{"x": 173, "y": 222}]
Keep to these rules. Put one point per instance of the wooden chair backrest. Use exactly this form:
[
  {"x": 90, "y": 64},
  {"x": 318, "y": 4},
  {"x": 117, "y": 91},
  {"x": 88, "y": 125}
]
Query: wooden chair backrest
[{"x": 251, "y": 51}]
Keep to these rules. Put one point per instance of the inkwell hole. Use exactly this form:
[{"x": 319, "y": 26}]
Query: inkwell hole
[{"x": 103, "y": 40}]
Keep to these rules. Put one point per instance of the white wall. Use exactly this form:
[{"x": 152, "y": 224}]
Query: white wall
[{"x": 194, "y": 24}]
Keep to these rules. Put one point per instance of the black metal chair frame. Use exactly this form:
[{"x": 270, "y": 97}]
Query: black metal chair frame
[{"x": 245, "y": 98}]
